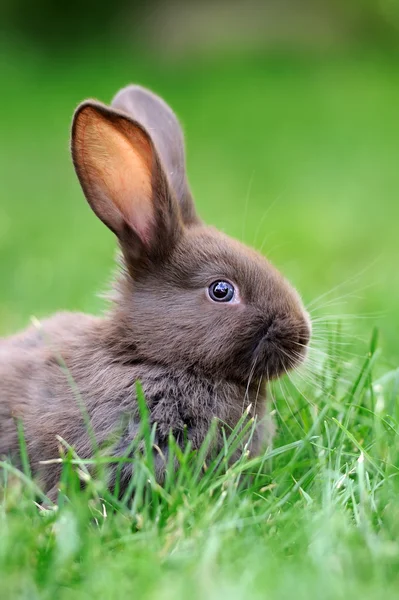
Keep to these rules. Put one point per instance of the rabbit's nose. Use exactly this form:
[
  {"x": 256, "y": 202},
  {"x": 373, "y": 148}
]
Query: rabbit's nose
[{"x": 266, "y": 328}]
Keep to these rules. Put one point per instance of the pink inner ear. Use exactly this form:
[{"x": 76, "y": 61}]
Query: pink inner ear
[{"x": 117, "y": 157}]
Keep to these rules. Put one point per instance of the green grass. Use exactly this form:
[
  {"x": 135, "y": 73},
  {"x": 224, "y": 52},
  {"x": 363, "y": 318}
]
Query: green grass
[
  {"x": 315, "y": 516},
  {"x": 299, "y": 158}
]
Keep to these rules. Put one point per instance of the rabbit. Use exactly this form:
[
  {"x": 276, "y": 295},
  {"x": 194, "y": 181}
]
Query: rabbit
[{"x": 201, "y": 320}]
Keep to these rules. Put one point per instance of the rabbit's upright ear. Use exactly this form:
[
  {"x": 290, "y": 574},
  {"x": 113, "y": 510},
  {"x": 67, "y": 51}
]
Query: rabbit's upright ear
[
  {"x": 124, "y": 182},
  {"x": 161, "y": 123}
]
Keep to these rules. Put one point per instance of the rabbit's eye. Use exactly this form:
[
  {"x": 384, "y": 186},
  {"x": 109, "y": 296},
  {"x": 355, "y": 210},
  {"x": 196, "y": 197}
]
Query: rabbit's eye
[{"x": 221, "y": 291}]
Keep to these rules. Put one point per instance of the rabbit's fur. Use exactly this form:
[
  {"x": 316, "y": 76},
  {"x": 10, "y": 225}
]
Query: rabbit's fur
[{"x": 196, "y": 359}]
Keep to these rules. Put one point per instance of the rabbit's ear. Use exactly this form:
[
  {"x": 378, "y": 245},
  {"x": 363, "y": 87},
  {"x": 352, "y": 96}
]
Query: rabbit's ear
[
  {"x": 123, "y": 180},
  {"x": 161, "y": 123}
]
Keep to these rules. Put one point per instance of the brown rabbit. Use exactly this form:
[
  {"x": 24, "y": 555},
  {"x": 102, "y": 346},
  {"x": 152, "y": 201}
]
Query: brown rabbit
[{"x": 198, "y": 318}]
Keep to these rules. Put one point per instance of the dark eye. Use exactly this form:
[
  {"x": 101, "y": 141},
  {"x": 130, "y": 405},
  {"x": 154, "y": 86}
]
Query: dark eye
[{"x": 221, "y": 291}]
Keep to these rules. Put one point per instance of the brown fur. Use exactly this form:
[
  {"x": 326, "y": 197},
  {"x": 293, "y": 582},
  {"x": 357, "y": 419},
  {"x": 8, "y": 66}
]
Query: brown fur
[{"x": 195, "y": 358}]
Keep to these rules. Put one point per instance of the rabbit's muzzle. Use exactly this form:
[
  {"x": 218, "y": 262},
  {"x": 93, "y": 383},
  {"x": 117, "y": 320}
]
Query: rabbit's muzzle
[{"x": 281, "y": 345}]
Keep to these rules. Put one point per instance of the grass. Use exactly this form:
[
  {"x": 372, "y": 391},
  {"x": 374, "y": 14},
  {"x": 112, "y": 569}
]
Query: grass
[
  {"x": 299, "y": 159},
  {"x": 316, "y": 515}
]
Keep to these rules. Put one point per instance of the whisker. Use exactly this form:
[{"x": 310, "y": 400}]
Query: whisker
[
  {"x": 246, "y": 205},
  {"x": 320, "y": 351},
  {"x": 246, "y": 394},
  {"x": 346, "y": 282},
  {"x": 274, "y": 402},
  {"x": 340, "y": 299},
  {"x": 337, "y": 318},
  {"x": 257, "y": 395},
  {"x": 266, "y": 212}
]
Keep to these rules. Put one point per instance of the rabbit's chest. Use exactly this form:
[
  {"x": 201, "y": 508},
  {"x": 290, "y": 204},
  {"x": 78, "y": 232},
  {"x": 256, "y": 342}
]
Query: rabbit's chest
[
  {"x": 186, "y": 405},
  {"x": 178, "y": 402}
]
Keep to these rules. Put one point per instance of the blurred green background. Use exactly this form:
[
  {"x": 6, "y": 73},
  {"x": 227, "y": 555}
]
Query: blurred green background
[{"x": 291, "y": 118}]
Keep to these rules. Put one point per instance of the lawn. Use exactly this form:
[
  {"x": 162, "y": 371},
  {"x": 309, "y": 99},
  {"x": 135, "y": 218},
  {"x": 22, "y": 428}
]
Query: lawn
[{"x": 298, "y": 157}]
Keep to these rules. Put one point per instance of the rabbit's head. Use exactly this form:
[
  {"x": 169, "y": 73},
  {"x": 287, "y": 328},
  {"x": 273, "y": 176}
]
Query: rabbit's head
[{"x": 191, "y": 297}]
